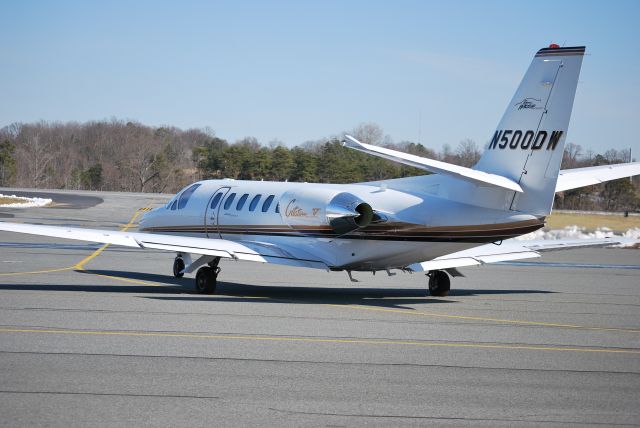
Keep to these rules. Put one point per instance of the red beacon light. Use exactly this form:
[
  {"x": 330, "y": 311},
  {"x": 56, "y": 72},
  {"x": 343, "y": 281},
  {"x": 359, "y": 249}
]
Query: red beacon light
[{"x": 554, "y": 46}]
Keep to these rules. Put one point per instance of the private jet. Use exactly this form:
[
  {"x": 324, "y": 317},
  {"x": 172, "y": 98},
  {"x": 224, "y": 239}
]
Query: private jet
[{"x": 435, "y": 223}]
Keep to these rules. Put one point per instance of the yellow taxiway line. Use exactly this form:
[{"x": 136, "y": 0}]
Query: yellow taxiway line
[
  {"x": 323, "y": 341},
  {"x": 81, "y": 263},
  {"x": 36, "y": 272},
  {"x": 494, "y": 320},
  {"x": 96, "y": 253}
]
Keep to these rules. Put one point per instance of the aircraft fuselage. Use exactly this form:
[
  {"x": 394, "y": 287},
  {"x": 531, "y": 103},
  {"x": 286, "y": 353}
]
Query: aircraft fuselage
[{"x": 319, "y": 221}]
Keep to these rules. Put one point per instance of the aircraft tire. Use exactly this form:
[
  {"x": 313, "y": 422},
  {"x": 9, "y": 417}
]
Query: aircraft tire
[
  {"x": 178, "y": 266},
  {"x": 439, "y": 283},
  {"x": 206, "y": 280}
]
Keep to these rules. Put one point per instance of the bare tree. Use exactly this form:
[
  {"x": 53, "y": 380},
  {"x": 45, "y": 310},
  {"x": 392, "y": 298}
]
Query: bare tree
[
  {"x": 369, "y": 133},
  {"x": 613, "y": 156},
  {"x": 249, "y": 143},
  {"x": 35, "y": 154},
  {"x": 571, "y": 155},
  {"x": 447, "y": 154},
  {"x": 467, "y": 153}
]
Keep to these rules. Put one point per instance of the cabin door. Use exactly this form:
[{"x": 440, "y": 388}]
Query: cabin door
[{"x": 212, "y": 212}]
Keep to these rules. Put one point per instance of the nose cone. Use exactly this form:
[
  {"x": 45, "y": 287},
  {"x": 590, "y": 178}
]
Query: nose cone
[{"x": 147, "y": 219}]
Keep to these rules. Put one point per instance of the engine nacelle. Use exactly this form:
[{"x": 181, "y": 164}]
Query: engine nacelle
[{"x": 342, "y": 211}]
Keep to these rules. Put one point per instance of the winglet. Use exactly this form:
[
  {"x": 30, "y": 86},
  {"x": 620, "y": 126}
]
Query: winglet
[{"x": 438, "y": 167}]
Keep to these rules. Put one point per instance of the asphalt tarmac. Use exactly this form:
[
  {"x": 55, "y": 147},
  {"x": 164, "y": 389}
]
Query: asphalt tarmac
[{"x": 92, "y": 337}]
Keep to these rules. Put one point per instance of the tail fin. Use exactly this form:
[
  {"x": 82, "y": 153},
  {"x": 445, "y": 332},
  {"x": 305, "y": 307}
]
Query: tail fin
[{"x": 528, "y": 145}]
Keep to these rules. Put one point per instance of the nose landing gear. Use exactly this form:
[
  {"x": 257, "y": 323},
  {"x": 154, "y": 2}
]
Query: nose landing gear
[
  {"x": 439, "y": 283},
  {"x": 178, "y": 267}
]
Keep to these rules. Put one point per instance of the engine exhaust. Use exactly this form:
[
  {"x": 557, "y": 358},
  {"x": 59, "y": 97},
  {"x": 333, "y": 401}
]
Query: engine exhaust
[{"x": 365, "y": 215}]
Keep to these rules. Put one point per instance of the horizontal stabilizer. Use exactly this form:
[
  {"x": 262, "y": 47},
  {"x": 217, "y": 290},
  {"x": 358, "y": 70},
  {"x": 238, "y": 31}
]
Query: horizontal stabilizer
[
  {"x": 431, "y": 165},
  {"x": 579, "y": 177}
]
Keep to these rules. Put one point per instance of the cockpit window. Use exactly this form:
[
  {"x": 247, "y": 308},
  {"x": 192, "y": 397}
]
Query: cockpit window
[
  {"x": 267, "y": 203},
  {"x": 254, "y": 202},
  {"x": 241, "y": 201},
  {"x": 174, "y": 205},
  {"x": 215, "y": 200},
  {"x": 184, "y": 198},
  {"x": 229, "y": 201}
]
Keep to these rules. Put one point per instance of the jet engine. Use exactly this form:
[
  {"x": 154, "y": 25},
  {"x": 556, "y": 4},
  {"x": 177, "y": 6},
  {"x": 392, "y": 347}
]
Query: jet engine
[{"x": 314, "y": 208}]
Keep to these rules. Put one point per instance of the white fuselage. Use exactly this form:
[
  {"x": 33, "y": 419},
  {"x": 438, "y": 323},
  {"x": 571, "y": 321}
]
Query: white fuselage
[{"x": 410, "y": 226}]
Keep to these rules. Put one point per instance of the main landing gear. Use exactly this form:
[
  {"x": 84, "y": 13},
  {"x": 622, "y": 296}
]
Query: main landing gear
[
  {"x": 439, "y": 283},
  {"x": 206, "y": 277}
]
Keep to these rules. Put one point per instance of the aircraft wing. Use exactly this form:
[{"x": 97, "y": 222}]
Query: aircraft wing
[
  {"x": 512, "y": 249},
  {"x": 580, "y": 177},
  {"x": 438, "y": 167},
  {"x": 249, "y": 251}
]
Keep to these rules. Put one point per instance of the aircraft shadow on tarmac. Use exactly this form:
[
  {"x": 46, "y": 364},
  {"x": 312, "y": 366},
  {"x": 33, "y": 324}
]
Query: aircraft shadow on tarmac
[{"x": 236, "y": 292}]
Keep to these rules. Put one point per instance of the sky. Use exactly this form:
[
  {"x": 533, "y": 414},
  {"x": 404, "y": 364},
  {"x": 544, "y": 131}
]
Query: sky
[{"x": 294, "y": 71}]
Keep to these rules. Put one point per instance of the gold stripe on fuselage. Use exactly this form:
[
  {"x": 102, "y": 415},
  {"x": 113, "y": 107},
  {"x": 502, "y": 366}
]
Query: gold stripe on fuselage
[{"x": 393, "y": 231}]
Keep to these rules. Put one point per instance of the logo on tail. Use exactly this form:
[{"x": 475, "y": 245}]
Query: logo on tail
[{"x": 528, "y": 103}]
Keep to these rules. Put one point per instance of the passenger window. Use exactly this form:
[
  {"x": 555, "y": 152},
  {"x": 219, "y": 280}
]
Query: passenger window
[
  {"x": 229, "y": 201},
  {"x": 278, "y": 208},
  {"x": 254, "y": 202},
  {"x": 267, "y": 203},
  {"x": 241, "y": 202},
  {"x": 215, "y": 200},
  {"x": 184, "y": 198}
]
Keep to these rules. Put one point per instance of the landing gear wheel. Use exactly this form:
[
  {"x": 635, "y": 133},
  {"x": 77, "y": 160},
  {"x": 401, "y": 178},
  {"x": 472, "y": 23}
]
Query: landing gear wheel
[
  {"x": 178, "y": 267},
  {"x": 439, "y": 283},
  {"x": 206, "y": 280}
]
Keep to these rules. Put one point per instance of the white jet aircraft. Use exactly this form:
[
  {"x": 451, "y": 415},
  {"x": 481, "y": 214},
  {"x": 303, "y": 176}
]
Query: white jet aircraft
[{"x": 433, "y": 223}]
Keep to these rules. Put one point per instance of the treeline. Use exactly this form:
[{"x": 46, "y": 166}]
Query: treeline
[
  {"x": 129, "y": 156},
  {"x": 320, "y": 161}
]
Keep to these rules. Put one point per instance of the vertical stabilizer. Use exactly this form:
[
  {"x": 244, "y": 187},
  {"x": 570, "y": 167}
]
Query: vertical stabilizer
[{"x": 528, "y": 144}]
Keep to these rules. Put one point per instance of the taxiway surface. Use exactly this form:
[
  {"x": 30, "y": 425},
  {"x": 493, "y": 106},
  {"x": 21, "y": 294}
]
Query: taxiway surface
[{"x": 108, "y": 337}]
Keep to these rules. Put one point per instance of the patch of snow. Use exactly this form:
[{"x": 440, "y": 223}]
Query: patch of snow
[
  {"x": 577, "y": 232},
  {"x": 26, "y": 202},
  {"x": 632, "y": 233}
]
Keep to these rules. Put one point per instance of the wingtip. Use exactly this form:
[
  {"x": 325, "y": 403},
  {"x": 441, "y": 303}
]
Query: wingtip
[
  {"x": 350, "y": 141},
  {"x": 517, "y": 187}
]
